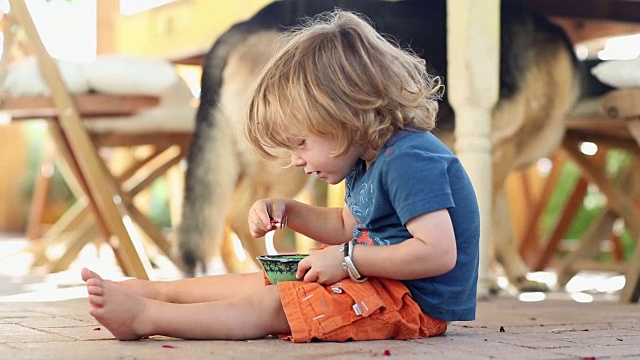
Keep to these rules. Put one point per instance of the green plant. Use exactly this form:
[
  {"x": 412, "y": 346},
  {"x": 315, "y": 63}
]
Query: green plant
[
  {"x": 36, "y": 135},
  {"x": 592, "y": 205}
]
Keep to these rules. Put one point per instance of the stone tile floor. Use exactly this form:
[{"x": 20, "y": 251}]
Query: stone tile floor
[{"x": 43, "y": 316}]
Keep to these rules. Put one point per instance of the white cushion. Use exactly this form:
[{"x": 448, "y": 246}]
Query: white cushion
[
  {"x": 169, "y": 119},
  {"x": 176, "y": 112},
  {"x": 23, "y": 78},
  {"x": 126, "y": 75},
  {"x": 109, "y": 74},
  {"x": 117, "y": 75},
  {"x": 618, "y": 73}
]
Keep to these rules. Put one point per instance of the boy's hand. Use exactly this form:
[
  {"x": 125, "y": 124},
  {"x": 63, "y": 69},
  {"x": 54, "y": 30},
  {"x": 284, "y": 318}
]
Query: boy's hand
[
  {"x": 323, "y": 266},
  {"x": 266, "y": 215}
]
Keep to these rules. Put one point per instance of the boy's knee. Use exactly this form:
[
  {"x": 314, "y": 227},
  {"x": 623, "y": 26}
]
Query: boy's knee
[
  {"x": 267, "y": 299},
  {"x": 268, "y": 303}
]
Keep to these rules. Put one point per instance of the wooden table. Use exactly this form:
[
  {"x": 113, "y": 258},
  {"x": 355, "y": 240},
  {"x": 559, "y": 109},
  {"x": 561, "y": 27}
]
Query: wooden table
[
  {"x": 619, "y": 128},
  {"x": 66, "y": 112}
]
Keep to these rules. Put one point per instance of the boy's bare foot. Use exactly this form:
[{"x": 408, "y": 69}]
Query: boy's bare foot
[
  {"x": 145, "y": 288},
  {"x": 116, "y": 307}
]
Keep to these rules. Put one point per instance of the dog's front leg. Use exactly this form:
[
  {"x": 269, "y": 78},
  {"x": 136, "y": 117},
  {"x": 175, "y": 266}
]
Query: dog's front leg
[{"x": 506, "y": 250}]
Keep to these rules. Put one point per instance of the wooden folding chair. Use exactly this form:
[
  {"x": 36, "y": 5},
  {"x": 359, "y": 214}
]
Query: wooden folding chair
[
  {"x": 619, "y": 128},
  {"x": 102, "y": 197}
]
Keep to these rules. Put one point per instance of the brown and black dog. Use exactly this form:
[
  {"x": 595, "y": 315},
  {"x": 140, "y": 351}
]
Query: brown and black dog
[{"x": 539, "y": 84}]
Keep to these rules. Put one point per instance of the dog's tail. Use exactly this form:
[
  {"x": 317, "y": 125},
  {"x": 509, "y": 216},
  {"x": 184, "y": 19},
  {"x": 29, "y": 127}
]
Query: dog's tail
[
  {"x": 202, "y": 220},
  {"x": 212, "y": 160}
]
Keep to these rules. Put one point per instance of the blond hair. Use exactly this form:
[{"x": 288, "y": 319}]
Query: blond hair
[{"x": 336, "y": 77}]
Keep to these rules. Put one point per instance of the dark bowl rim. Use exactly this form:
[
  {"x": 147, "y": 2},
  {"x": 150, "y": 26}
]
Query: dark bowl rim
[{"x": 281, "y": 258}]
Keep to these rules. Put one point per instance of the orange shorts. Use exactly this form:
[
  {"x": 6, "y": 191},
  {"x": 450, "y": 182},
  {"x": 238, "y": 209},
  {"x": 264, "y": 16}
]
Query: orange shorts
[{"x": 376, "y": 309}]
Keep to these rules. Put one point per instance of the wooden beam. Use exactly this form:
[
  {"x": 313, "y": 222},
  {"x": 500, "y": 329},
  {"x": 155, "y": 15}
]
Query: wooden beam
[
  {"x": 89, "y": 105},
  {"x": 583, "y": 30},
  {"x": 617, "y": 10}
]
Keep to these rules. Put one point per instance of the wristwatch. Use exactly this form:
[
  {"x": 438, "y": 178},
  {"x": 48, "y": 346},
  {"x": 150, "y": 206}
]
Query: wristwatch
[
  {"x": 344, "y": 248},
  {"x": 348, "y": 265}
]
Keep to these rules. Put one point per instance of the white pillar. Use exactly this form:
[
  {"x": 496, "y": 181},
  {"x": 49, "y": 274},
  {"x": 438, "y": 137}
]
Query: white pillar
[{"x": 473, "y": 42}]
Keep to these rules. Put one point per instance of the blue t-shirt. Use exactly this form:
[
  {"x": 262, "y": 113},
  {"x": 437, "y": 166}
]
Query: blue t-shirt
[{"x": 415, "y": 173}]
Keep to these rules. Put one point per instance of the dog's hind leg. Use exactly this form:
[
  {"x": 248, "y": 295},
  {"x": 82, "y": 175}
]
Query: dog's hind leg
[
  {"x": 273, "y": 182},
  {"x": 506, "y": 247},
  {"x": 548, "y": 92},
  {"x": 258, "y": 178},
  {"x": 218, "y": 155}
]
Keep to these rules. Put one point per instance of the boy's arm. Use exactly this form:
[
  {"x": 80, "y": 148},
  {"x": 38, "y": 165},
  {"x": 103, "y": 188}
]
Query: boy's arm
[
  {"x": 330, "y": 226},
  {"x": 432, "y": 251}
]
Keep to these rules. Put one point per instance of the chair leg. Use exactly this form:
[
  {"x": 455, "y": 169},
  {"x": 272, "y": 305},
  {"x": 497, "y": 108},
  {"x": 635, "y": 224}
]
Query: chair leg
[
  {"x": 74, "y": 245},
  {"x": 40, "y": 198},
  {"x": 631, "y": 290},
  {"x": 568, "y": 214},
  {"x": 70, "y": 221},
  {"x": 529, "y": 243},
  {"x": 175, "y": 180},
  {"x": 152, "y": 169},
  {"x": 151, "y": 230},
  {"x": 620, "y": 202},
  {"x": 589, "y": 246}
]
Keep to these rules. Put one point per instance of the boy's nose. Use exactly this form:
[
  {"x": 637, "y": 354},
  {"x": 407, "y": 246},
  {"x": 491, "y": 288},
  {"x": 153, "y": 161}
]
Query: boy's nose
[{"x": 296, "y": 160}]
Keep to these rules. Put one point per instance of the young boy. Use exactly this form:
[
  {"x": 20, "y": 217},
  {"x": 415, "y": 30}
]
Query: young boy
[{"x": 348, "y": 105}]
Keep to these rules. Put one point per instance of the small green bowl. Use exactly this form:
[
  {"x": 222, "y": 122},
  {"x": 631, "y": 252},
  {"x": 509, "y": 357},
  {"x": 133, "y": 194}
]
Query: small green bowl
[{"x": 281, "y": 267}]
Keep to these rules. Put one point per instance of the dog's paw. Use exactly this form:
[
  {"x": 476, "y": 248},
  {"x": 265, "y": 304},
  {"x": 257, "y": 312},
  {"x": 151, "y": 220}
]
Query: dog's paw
[{"x": 525, "y": 285}]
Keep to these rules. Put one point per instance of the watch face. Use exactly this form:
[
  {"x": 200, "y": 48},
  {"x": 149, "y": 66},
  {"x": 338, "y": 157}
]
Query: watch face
[{"x": 344, "y": 248}]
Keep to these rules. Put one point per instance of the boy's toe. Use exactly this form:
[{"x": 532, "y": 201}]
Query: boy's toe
[{"x": 88, "y": 274}]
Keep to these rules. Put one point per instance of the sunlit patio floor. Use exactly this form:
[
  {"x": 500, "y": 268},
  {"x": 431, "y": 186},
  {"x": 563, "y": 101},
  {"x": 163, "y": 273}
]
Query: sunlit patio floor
[{"x": 45, "y": 316}]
